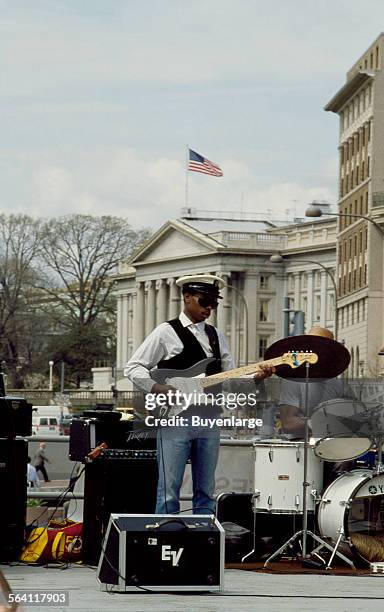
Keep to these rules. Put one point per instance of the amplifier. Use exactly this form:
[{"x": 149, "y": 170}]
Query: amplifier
[
  {"x": 162, "y": 552},
  {"x": 118, "y": 485},
  {"x": 15, "y": 417},
  {"x": 87, "y": 433},
  {"x": 126, "y": 453}
]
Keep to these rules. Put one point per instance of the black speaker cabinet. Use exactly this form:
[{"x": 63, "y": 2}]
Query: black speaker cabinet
[
  {"x": 162, "y": 552},
  {"x": 115, "y": 486},
  {"x": 15, "y": 417},
  {"x": 13, "y": 485}
]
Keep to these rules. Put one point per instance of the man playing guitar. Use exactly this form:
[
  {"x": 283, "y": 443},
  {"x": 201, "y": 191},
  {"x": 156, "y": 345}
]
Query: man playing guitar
[{"x": 180, "y": 344}]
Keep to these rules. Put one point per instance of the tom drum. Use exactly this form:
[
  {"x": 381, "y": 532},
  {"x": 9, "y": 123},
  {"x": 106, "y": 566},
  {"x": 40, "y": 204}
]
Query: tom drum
[{"x": 279, "y": 474}]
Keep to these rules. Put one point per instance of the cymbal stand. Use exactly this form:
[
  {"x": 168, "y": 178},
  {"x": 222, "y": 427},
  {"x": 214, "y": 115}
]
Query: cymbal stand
[{"x": 305, "y": 532}]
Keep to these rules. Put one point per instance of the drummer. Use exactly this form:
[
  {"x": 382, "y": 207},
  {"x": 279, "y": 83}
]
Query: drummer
[{"x": 292, "y": 396}]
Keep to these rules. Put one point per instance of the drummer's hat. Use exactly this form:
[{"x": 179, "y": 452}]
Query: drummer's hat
[{"x": 208, "y": 284}]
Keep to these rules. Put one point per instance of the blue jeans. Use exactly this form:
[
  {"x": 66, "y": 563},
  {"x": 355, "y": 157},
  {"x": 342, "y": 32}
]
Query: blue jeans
[{"x": 174, "y": 447}]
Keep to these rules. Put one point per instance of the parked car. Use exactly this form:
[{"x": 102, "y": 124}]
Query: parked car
[
  {"x": 45, "y": 425},
  {"x": 65, "y": 425}
]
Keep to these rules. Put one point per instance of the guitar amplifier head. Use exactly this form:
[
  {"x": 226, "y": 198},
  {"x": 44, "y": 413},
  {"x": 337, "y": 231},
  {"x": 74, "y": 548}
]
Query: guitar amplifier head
[
  {"x": 87, "y": 433},
  {"x": 162, "y": 552}
]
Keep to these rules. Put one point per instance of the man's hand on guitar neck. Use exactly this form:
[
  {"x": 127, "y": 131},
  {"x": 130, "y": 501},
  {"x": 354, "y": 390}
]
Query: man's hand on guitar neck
[
  {"x": 264, "y": 371},
  {"x": 158, "y": 388}
]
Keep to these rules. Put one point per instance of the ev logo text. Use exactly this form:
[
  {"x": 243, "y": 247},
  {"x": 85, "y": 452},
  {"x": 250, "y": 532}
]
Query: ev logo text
[{"x": 167, "y": 554}]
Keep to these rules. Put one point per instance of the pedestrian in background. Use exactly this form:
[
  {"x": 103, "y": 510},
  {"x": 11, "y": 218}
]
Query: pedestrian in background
[{"x": 39, "y": 461}]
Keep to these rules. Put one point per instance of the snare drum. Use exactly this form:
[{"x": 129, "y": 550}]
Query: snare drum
[
  {"x": 279, "y": 475},
  {"x": 354, "y": 502},
  {"x": 341, "y": 449}
]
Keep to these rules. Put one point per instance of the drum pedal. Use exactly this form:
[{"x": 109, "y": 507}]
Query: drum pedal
[{"x": 377, "y": 568}]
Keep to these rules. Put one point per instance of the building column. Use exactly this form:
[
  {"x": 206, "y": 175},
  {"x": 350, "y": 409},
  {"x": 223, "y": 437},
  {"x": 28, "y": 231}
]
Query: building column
[
  {"x": 296, "y": 299},
  {"x": 174, "y": 299},
  {"x": 324, "y": 298},
  {"x": 124, "y": 329},
  {"x": 130, "y": 324},
  {"x": 222, "y": 310},
  {"x": 250, "y": 295},
  {"x": 139, "y": 316},
  {"x": 161, "y": 313},
  {"x": 119, "y": 358},
  {"x": 151, "y": 307},
  {"x": 310, "y": 286}
]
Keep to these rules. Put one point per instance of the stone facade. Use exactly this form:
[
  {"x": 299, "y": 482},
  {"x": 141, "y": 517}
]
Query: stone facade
[{"x": 360, "y": 106}]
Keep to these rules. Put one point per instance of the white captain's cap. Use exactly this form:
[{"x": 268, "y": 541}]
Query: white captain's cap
[{"x": 202, "y": 283}]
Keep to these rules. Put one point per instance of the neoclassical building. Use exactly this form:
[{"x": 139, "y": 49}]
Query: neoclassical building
[{"x": 238, "y": 250}]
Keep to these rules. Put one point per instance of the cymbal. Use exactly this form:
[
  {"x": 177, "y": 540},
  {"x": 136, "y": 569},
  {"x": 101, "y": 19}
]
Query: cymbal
[{"x": 333, "y": 357}]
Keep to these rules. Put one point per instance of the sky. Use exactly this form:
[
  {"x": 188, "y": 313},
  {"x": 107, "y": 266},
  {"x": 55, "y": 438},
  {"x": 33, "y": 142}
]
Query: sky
[{"x": 100, "y": 98}]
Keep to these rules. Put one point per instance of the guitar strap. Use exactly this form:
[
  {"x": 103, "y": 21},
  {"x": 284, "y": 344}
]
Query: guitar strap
[{"x": 214, "y": 344}]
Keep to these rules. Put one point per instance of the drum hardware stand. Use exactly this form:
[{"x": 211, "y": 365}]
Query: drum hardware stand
[
  {"x": 305, "y": 532},
  {"x": 334, "y": 551},
  {"x": 255, "y": 498}
]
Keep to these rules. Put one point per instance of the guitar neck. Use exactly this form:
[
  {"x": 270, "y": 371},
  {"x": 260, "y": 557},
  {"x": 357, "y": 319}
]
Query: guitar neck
[{"x": 238, "y": 372}]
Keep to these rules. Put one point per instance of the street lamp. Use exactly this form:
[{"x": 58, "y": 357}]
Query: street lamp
[
  {"x": 51, "y": 364},
  {"x": 315, "y": 211},
  {"x": 280, "y": 259},
  {"x": 246, "y": 319}
]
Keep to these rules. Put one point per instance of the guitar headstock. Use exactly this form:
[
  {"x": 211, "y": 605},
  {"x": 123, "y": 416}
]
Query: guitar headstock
[{"x": 296, "y": 358}]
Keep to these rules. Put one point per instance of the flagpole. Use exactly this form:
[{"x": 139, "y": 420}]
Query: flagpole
[{"x": 186, "y": 174}]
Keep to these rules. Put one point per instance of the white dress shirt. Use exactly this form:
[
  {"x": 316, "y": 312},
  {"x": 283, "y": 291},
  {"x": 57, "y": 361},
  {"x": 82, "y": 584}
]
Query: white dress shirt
[{"x": 164, "y": 343}]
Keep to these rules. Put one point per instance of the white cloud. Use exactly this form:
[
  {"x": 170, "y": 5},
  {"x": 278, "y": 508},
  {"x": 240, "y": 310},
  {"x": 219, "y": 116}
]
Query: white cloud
[
  {"x": 97, "y": 99},
  {"x": 148, "y": 190}
]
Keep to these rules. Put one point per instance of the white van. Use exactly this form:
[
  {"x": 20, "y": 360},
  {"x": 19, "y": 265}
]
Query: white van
[
  {"x": 46, "y": 419},
  {"x": 45, "y": 425}
]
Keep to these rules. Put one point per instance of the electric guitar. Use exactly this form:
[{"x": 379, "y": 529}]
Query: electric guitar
[{"x": 194, "y": 382}]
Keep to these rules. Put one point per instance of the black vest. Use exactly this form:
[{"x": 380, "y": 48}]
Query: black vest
[{"x": 192, "y": 351}]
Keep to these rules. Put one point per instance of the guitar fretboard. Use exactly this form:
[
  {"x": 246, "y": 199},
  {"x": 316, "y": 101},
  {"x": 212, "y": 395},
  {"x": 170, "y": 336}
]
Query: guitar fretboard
[{"x": 214, "y": 379}]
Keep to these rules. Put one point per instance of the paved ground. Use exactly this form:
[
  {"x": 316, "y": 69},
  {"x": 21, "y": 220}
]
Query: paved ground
[{"x": 244, "y": 590}]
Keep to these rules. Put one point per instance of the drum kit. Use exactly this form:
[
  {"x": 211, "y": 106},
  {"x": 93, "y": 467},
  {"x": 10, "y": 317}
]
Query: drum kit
[{"x": 350, "y": 511}]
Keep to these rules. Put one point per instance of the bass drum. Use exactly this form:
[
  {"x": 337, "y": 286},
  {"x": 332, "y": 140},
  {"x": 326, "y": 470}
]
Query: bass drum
[{"x": 354, "y": 502}]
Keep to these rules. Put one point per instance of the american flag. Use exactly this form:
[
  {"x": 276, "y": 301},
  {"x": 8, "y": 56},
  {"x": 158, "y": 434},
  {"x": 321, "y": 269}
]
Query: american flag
[{"x": 198, "y": 163}]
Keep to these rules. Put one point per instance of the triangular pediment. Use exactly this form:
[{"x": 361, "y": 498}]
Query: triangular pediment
[{"x": 172, "y": 240}]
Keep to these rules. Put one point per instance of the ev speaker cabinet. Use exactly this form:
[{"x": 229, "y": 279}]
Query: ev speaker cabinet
[{"x": 162, "y": 552}]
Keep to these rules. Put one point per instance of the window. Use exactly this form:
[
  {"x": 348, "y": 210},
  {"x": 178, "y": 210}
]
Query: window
[
  {"x": 264, "y": 281},
  {"x": 263, "y": 310},
  {"x": 317, "y": 307},
  {"x": 263, "y": 343},
  {"x": 304, "y": 305}
]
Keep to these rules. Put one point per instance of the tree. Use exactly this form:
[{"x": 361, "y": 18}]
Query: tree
[
  {"x": 19, "y": 242},
  {"x": 79, "y": 255}
]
